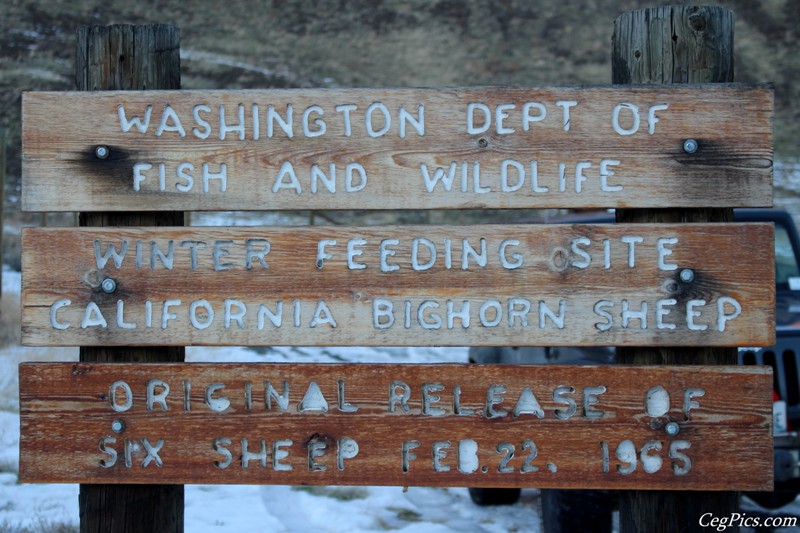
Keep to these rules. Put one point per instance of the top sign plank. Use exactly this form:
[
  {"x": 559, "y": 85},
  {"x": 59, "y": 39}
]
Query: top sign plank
[{"x": 451, "y": 148}]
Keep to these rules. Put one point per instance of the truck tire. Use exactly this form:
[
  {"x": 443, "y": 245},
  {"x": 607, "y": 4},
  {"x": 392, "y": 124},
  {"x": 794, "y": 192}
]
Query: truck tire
[
  {"x": 485, "y": 497},
  {"x": 772, "y": 500},
  {"x": 566, "y": 511}
]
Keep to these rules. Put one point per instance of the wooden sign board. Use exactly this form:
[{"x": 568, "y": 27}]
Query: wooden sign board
[
  {"x": 406, "y": 425},
  {"x": 539, "y": 285},
  {"x": 571, "y": 147}
]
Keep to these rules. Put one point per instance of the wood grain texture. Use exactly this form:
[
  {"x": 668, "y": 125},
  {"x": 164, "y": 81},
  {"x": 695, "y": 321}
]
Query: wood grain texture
[
  {"x": 66, "y": 410},
  {"x": 732, "y": 167},
  {"x": 61, "y": 264}
]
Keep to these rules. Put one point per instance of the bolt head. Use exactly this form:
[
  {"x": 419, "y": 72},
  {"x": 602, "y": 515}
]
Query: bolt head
[
  {"x": 109, "y": 285},
  {"x": 117, "y": 426},
  {"x": 101, "y": 152},
  {"x": 672, "y": 429},
  {"x": 690, "y": 146},
  {"x": 687, "y": 275}
]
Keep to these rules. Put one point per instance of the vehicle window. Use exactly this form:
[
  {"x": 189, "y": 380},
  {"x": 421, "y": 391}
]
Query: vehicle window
[{"x": 785, "y": 262}]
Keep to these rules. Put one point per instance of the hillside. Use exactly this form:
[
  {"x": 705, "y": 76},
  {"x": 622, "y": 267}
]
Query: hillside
[{"x": 333, "y": 43}]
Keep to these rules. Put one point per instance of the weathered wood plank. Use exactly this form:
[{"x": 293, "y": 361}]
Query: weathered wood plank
[
  {"x": 549, "y": 285},
  {"x": 68, "y": 414},
  {"x": 393, "y": 157}
]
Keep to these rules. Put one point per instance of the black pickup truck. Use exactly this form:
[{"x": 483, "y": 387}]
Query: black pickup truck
[{"x": 572, "y": 510}]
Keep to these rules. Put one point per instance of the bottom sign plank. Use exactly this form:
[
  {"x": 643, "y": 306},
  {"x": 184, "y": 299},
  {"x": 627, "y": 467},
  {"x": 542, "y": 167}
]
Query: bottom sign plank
[{"x": 696, "y": 428}]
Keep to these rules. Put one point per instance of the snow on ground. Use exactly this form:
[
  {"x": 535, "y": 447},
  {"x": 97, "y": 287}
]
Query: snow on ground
[{"x": 247, "y": 508}]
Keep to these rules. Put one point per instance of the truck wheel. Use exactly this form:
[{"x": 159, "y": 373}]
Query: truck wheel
[
  {"x": 494, "y": 496},
  {"x": 564, "y": 511},
  {"x": 772, "y": 500}
]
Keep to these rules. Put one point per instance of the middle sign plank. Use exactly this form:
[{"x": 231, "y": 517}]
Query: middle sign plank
[
  {"x": 497, "y": 147},
  {"x": 543, "y": 285}
]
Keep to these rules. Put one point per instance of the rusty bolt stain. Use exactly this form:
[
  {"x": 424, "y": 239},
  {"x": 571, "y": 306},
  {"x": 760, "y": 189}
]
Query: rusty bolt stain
[{"x": 81, "y": 370}]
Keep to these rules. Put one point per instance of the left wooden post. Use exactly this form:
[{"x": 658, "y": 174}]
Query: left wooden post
[{"x": 128, "y": 57}]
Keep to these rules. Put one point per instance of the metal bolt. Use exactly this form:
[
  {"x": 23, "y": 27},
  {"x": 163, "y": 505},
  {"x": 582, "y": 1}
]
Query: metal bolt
[
  {"x": 101, "y": 152},
  {"x": 672, "y": 429},
  {"x": 117, "y": 426},
  {"x": 483, "y": 143},
  {"x": 690, "y": 146},
  {"x": 109, "y": 285},
  {"x": 687, "y": 275}
]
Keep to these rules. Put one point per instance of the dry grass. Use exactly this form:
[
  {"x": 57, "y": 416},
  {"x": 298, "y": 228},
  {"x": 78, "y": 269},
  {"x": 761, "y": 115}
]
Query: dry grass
[
  {"x": 41, "y": 526},
  {"x": 9, "y": 320}
]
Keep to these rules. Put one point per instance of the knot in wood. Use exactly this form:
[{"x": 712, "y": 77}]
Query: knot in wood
[{"x": 697, "y": 22}]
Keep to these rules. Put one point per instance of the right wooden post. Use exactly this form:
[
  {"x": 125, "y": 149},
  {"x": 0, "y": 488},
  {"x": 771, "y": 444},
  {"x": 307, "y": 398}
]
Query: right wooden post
[{"x": 673, "y": 44}]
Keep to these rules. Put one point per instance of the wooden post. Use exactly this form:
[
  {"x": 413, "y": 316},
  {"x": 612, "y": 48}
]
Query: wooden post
[
  {"x": 673, "y": 44},
  {"x": 126, "y": 57}
]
